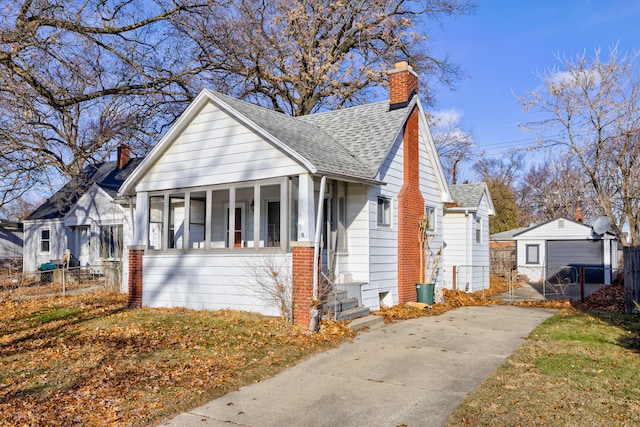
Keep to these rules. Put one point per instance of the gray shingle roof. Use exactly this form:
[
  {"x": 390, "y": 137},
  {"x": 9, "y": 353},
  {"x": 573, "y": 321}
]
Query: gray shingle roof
[
  {"x": 106, "y": 175},
  {"x": 351, "y": 141},
  {"x": 467, "y": 195}
]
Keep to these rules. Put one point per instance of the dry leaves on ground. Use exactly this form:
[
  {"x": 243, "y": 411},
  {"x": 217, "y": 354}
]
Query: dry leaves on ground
[{"x": 88, "y": 360}]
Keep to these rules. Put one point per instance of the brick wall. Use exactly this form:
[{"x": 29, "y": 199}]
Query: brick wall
[
  {"x": 302, "y": 277},
  {"x": 135, "y": 276},
  {"x": 410, "y": 208}
]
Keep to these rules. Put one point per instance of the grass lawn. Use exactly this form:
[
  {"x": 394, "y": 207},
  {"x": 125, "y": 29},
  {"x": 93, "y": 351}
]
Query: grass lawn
[
  {"x": 88, "y": 360},
  {"x": 575, "y": 369}
]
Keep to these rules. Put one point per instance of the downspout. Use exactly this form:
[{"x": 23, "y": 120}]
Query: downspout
[{"x": 314, "y": 321}]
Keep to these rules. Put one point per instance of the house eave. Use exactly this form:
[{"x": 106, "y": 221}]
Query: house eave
[{"x": 349, "y": 178}]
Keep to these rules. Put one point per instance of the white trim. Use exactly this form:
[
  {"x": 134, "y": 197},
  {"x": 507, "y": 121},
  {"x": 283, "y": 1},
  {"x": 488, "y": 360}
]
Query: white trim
[{"x": 205, "y": 96}]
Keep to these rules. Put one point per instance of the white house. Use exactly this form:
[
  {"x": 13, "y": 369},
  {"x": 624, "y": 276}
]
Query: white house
[
  {"x": 466, "y": 237},
  {"x": 562, "y": 246},
  {"x": 232, "y": 184},
  {"x": 83, "y": 218},
  {"x": 11, "y": 238}
]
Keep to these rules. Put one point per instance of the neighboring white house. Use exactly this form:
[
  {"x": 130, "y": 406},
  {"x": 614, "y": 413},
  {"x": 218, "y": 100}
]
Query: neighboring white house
[
  {"x": 11, "y": 236},
  {"x": 466, "y": 237},
  {"x": 561, "y": 246},
  {"x": 233, "y": 184},
  {"x": 83, "y": 218}
]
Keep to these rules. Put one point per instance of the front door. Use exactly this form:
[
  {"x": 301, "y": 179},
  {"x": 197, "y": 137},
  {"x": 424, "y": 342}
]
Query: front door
[{"x": 83, "y": 242}]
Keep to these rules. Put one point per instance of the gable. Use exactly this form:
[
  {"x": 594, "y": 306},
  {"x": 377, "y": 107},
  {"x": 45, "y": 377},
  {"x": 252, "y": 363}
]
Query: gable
[
  {"x": 95, "y": 206},
  {"x": 557, "y": 229},
  {"x": 215, "y": 148}
]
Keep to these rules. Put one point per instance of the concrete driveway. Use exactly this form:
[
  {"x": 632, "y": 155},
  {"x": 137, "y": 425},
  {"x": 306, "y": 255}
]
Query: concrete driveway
[{"x": 411, "y": 373}]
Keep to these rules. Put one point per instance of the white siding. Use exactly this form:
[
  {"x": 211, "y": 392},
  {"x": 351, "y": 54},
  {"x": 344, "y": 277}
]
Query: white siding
[
  {"x": 10, "y": 246},
  {"x": 214, "y": 149},
  {"x": 432, "y": 195},
  {"x": 32, "y": 256},
  {"x": 356, "y": 263},
  {"x": 481, "y": 250},
  {"x": 206, "y": 282},
  {"x": 383, "y": 253},
  {"x": 456, "y": 239}
]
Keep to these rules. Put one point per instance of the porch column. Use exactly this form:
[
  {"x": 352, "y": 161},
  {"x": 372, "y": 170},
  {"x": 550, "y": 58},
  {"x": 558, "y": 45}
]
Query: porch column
[
  {"x": 141, "y": 219},
  {"x": 302, "y": 281},
  {"x": 135, "y": 276},
  {"x": 306, "y": 209}
]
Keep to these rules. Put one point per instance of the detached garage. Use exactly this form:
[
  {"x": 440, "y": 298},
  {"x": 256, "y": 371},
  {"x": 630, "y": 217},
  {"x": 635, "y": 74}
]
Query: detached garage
[{"x": 558, "y": 248}]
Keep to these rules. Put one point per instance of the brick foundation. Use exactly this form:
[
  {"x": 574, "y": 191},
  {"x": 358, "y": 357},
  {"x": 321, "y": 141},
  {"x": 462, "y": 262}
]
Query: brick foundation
[
  {"x": 135, "y": 276},
  {"x": 302, "y": 277}
]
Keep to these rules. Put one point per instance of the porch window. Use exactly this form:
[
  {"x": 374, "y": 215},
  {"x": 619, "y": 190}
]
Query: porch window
[
  {"x": 533, "y": 254},
  {"x": 197, "y": 205},
  {"x": 111, "y": 241},
  {"x": 218, "y": 220},
  {"x": 156, "y": 221},
  {"x": 176, "y": 221},
  {"x": 384, "y": 211},
  {"x": 293, "y": 207},
  {"x": 270, "y": 220},
  {"x": 45, "y": 240}
]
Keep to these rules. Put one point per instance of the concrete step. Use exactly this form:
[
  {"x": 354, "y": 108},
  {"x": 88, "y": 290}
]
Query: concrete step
[
  {"x": 370, "y": 321},
  {"x": 339, "y": 305},
  {"x": 353, "y": 313}
]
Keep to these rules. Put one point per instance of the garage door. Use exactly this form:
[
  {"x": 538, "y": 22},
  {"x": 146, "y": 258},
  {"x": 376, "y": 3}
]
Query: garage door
[{"x": 576, "y": 253}]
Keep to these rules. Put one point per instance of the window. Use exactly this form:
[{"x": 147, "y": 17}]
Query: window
[
  {"x": 533, "y": 254},
  {"x": 176, "y": 221},
  {"x": 478, "y": 230},
  {"x": 430, "y": 213},
  {"x": 197, "y": 203},
  {"x": 156, "y": 221},
  {"x": 111, "y": 241},
  {"x": 273, "y": 224},
  {"x": 384, "y": 211},
  {"x": 45, "y": 240}
]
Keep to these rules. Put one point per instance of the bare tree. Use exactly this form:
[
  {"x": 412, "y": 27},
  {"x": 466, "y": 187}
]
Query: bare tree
[
  {"x": 501, "y": 174},
  {"x": 591, "y": 111},
  {"x": 300, "y": 56},
  {"x": 79, "y": 77},
  {"x": 554, "y": 188},
  {"x": 453, "y": 143}
]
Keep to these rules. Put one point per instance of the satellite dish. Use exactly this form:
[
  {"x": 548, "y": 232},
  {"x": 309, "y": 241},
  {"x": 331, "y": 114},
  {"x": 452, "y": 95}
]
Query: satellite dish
[{"x": 601, "y": 225}]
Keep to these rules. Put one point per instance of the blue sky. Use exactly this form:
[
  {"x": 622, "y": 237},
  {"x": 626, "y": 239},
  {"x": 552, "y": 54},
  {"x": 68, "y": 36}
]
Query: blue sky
[{"x": 504, "y": 43}]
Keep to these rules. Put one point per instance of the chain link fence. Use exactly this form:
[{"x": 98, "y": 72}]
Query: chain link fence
[
  {"x": 53, "y": 281},
  {"x": 530, "y": 283},
  {"x": 471, "y": 278}
]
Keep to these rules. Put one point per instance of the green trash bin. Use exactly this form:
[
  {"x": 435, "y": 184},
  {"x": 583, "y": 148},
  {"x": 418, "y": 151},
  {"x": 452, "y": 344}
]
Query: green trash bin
[{"x": 425, "y": 292}]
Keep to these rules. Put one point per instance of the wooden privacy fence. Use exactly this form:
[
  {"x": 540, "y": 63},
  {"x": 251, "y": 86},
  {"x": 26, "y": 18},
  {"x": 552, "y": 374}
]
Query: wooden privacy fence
[{"x": 631, "y": 278}]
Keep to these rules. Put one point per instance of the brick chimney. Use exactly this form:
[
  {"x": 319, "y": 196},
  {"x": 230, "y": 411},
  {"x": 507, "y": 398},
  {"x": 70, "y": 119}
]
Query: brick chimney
[
  {"x": 403, "y": 83},
  {"x": 579, "y": 214},
  {"x": 124, "y": 155}
]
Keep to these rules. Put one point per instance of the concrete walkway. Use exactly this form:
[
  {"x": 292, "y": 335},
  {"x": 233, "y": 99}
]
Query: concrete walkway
[{"x": 412, "y": 373}]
